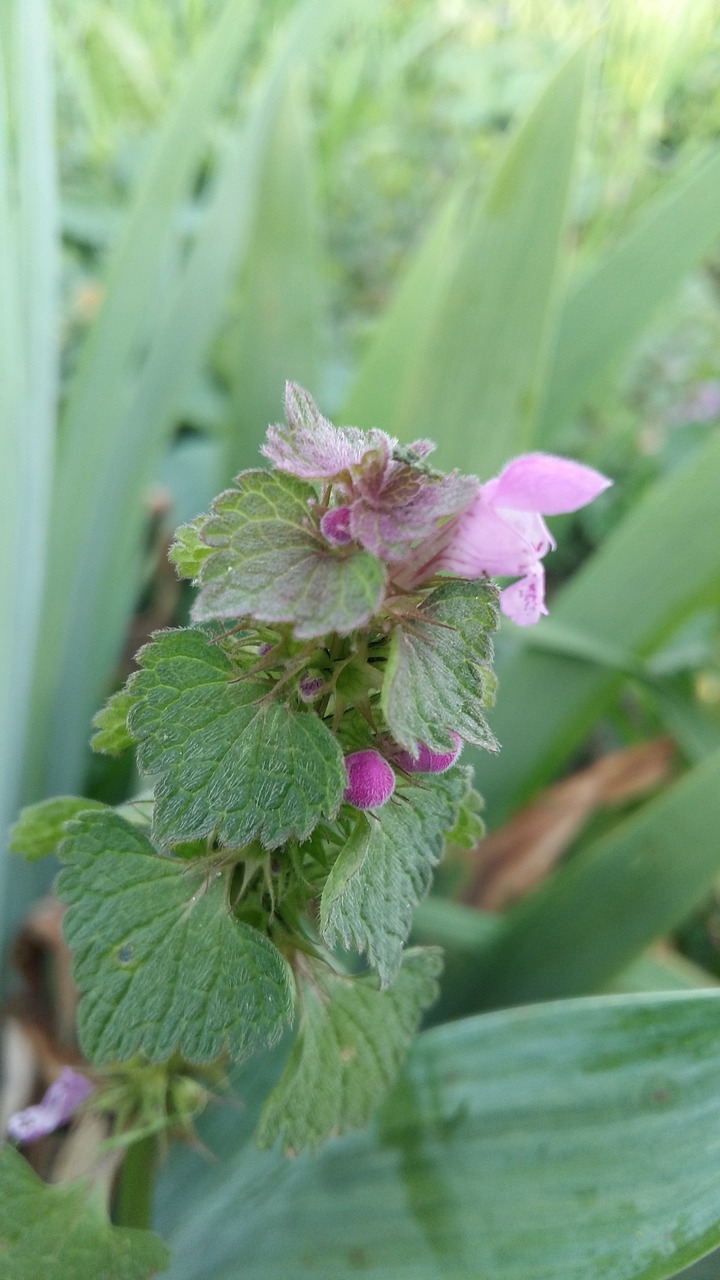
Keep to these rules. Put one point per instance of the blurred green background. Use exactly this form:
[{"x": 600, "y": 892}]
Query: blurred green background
[{"x": 497, "y": 225}]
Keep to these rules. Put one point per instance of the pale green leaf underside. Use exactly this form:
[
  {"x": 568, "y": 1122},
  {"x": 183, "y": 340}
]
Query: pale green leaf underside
[
  {"x": 62, "y": 1233},
  {"x": 162, "y": 965},
  {"x": 386, "y": 868},
  {"x": 351, "y": 1044},
  {"x": 268, "y": 566},
  {"x": 556, "y": 1142},
  {"x": 40, "y": 827},
  {"x": 227, "y": 762},
  {"x": 439, "y": 673}
]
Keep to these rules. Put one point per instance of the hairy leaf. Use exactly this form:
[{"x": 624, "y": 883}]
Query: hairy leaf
[
  {"x": 226, "y": 761},
  {"x": 188, "y": 552},
  {"x": 111, "y": 721},
  {"x": 351, "y": 1045},
  {"x": 268, "y": 565},
  {"x": 40, "y": 827},
  {"x": 439, "y": 674},
  {"x": 386, "y": 868},
  {"x": 62, "y": 1232},
  {"x": 162, "y": 965},
  {"x": 310, "y": 446}
]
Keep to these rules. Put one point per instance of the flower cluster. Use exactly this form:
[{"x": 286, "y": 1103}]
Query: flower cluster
[
  {"x": 421, "y": 522},
  {"x": 386, "y": 499}
]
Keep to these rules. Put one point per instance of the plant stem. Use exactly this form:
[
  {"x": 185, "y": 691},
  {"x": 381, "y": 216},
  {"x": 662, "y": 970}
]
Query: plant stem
[{"x": 133, "y": 1206}]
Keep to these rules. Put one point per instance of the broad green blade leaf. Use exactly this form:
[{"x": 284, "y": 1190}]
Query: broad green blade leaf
[
  {"x": 609, "y": 902},
  {"x": 551, "y": 1143},
  {"x": 386, "y": 868},
  {"x": 62, "y": 1232},
  {"x": 28, "y": 388},
  {"x": 606, "y": 310},
  {"x": 439, "y": 672},
  {"x": 350, "y": 1047},
  {"x": 108, "y": 453},
  {"x": 40, "y": 827},
  {"x": 226, "y": 761},
  {"x": 383, "y": 392},
  {"x": 477, "y": 368},
  {"x": 269, "y": 567},
  {"x": 660, "y": 564},
  {"x": 140, "y": 924},
  {"x": 279, "y": 335}
]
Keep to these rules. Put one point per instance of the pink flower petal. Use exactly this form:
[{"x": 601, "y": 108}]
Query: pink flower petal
[
  {"x": 524, "y": 601},
  {"x": 486, "y": 540},
  {"x": 59, "y": 1103},
  {"x": 545, "y": 483}
]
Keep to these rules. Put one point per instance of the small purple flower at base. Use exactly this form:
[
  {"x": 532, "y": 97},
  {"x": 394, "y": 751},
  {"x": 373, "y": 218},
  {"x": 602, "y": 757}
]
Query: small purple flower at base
[
  {"x": 58, "y": 1105},
  {"x": 371, "y": 780},
  {"x": 310, "y": 687},
  {"x": 335, "y": 526},
  {"x": 430, "y": 761}
]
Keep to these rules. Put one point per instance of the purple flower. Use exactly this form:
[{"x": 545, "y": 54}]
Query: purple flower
[
  {"x": 371, "y": 780},
  {"x": 59, "y": 1104},
  {"x": 335, "y": 526},
  {"x": 429, "y": 761},
  {"x": 503, "y": 533}
]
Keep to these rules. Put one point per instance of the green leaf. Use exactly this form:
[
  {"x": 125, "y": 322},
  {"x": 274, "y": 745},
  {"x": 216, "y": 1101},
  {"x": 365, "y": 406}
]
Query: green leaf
[
  {"x": 40, "y": 827},
  {"x": 111, "y": 721},
  {"x": 188, "y": 552},
  {"x": 549, "y": 1143},
  {"x": 119, "y": 408},
  {"x": 616, "y": 896},
  {"x": 350, "y": 1048},
  {"x": 269, "y": 566},
  {"x": 62, "y": 1232},
  {"x": 469, "y": 827},
  {"x": 607, "y": 308},
  {"x": 279, "y": 332},
  {"x": 439, "y": 672},
  {"x": 29, "y": 354},
  {"x": 386, "y": 868},
  {"x": 162, "y": 964},
  {"x": 228, "y": 762},
  {"x": 480, "y": 356}
]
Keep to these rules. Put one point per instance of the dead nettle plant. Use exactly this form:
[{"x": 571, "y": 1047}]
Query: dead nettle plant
[{"x": 302, "y": 737}]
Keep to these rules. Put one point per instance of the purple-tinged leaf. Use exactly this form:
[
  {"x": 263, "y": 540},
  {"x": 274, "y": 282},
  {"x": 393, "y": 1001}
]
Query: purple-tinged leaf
[
  {"x": 310, "y": 447},
  {"x": 270, "y": 565}
]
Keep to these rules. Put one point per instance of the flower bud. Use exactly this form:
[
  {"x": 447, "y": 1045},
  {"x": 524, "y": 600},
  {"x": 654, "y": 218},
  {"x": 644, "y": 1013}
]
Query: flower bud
[
  {"x": 310, "y": 686},
  {"x": 335, "y": 526},
  {"x": 371, "y": 780},
  {"x": 429, "y": 761}
]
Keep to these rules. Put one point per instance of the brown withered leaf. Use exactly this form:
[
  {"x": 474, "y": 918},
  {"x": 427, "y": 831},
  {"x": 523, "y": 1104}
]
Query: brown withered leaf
[{"x": 514, "y": 859}]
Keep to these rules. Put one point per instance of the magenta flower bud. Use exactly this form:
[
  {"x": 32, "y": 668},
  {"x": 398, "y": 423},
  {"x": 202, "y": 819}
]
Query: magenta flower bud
[
  {"x": 58, "y": 1105},
  {"x": 335, "y": 526},
  {"x": 371, "y": 780},
  {"x": 430, "y": 761},
  {"x": 310, "y": 686}
]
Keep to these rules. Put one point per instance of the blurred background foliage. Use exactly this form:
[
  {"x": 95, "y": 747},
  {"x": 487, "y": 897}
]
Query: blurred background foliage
[{"x": 496, "y": 224}]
